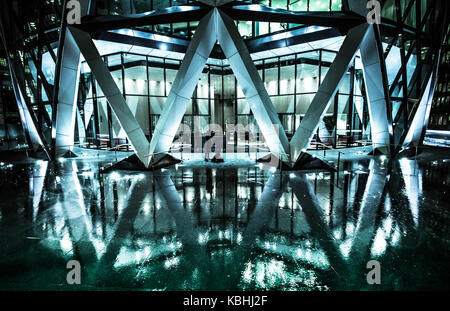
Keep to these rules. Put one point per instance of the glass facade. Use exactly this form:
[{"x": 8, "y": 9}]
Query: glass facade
[{"x": 291, "y": 81}]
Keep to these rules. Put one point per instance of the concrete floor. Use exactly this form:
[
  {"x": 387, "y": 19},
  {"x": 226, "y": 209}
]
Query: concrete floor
[{"x": 235, "y": 225}]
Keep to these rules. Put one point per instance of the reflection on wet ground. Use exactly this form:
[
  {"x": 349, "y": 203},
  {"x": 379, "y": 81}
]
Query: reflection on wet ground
[{"x": 219, "y": 227}]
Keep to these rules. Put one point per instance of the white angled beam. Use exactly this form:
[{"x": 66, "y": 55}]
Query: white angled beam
[
  {"x": 252, "y": 86},
  {"x": 316, "y": 219},
  {"x": 26, "y": 116},
  {"x": 377, "y": 91},
  {"x": 68, "y": 91},
  {"x": 184, "y": 85},
  {"x": 419, "y": 124},
  {"x": 67, "y": 96},
  {"x": 327, "y": 90},
  {"x": 115, "y": 99}
]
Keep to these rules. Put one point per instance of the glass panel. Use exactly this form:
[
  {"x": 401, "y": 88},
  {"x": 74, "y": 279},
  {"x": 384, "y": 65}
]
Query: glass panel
[
  {"x": 283, "y": 104},
  {"x": 160, "y": 4},
  {"x": 135, "y": 75},
  {"x": 279, "y": 4},
  {"x": 394, "y": 61},
  {"x": 141, "y": 6},
  {"x": 303, "y": 102},
  {"x": 102, "y": 110},
  {"x": 180, "y": 29},
  {"x": 261, "y": 28},
  {"x": 156, "y": 80},
  {"x": 319, "y": 5},
  {"x": 342, "y": 114},
  {"x": 345, "y": 86},
  {"x": 243, "y": 107},
  {"x": 157, "y": 104},
  {"x": 245, "y": 28},
  {"x": 336, "y": 5},
  {"x": 139, "y": 107},
  {"x": 388, "y": 10},
  {"x": 298, "y": 5},
  {"x": 328, "y": 56},
  {"x": 287, "y": 75},
  {"x": 307, "y": 78},
  {"x": 271, "y": 77}
]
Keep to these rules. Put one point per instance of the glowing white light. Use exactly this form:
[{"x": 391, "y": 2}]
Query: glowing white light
[
  {"x": 140, "y": 84},
  {"x": 128, "y": 83},
  {"x": 379, "y": 244},
  {"x": 273, "y": 169},
  {"x": 138, "y": 256},
  {"x": 87, "y": 174},
  {"x": 239, "y": 238},
  {"x": 171, "y": 262},
  {"x": 147, "y": 251},
  {"x": 65, "y": 243},
  {"x": 247, "y": 274},
  {"x": 283, "y": 85},
  {"x": 308, "y": 83},
  {"x": 114, "y": 176},
  {"x": 292, "y": 175},
  {"x": 272, "y": 86}
]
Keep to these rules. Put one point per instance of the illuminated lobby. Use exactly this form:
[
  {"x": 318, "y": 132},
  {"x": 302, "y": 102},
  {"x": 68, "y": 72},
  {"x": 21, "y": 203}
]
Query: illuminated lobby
[{"x": 275, "y": 145}]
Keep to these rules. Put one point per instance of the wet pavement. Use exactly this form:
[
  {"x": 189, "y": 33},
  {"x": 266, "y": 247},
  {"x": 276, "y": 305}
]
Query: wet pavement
[{"x": 226, "y": 227}]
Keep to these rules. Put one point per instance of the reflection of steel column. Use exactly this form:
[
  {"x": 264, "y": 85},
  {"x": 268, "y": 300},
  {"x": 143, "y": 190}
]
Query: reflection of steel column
[
  {"x": 169, "y": 194},
  {"x": 74, "y": 212},
  {"x": 265, "y": 209},
  {"x": 260, "y": 218},
  {"x": 195, "y": 256},
  {"x": 316, "y": 220},
  {"x": 370, "y": 203},
  {"x": 37, "y": 184},
  {"x": 136, "y": 195},
  {"x": 327, "y": 90},
  {"x": 411, "y": 179}
]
